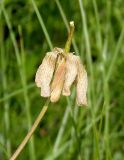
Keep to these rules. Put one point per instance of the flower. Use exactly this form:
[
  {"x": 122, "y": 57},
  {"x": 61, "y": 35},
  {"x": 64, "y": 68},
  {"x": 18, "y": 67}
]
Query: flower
[{"x": 58, "y": 72}]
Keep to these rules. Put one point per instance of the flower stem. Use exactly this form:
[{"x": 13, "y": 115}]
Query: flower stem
[
  {"x": 45, "y": 107},
  {"x": 69, "y": 40},
  {"x": 33, "y": 128}
]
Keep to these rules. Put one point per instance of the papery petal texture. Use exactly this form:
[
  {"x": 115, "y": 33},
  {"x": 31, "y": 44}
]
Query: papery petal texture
[
  {"x": 58, "y": 50},
  {"x": 45, "y": 72},
  {"x": 58, "y": 81},
  {"x": 82, "y": 83},
  {"x": 71, "y": 73}
]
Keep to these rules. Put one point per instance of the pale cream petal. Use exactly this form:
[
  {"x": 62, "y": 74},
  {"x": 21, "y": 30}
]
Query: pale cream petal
[
  {"x": 71, "y": 73},
  {"x": 82, "y": 83},
  {"x": 58, "y": 81},
  {"x": 45, "y": 72},
  {"x": 58, "y": 50}
]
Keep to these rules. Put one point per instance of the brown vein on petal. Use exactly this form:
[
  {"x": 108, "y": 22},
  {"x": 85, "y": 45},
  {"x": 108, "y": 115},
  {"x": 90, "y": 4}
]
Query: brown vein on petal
[
  {"x": 58, "y": 50},
  {"x": 82, "y": 84},
  {"x": 45, "y": 72},
  {"x": 58, "y": 81},
  {"x": 71, "y": 73}
]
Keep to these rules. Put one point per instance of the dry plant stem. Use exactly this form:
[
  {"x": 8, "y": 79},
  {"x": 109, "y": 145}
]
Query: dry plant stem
[
  {"x": 28, "y": 136},
  {"x": 45, "y": 107}
]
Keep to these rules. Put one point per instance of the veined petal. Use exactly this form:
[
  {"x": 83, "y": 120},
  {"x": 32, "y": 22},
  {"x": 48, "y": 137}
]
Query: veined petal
[
  {"x": 71, "y": 73},
  {"x": 45, "y": 72},
  {"x": 82, "y": 83},
  {"x": 58, "y": 81}
]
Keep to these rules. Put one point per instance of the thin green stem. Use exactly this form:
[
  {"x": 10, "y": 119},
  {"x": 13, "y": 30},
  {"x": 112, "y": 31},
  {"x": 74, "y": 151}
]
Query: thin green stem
[
  {"x": 99, "y": 37},
  {"x": 19, "y": 62},
  {"x": 103, "y": 68},
  {"x": 26, "y": 97},
  {"x": 11, "y": 35},
  {"x": 88, "y": 48},
  {"x": 16, "y": 92},
  {"x": 91, "y": 91},
  {"x": 6, "y": 104},
  {"x": 3, "y": 150},
  {"x": 106, "y": 129},
  {"x": 70, "y": 36},
  {"x": 66, "y": 24},
  {"x": 105, "y": 106},
  {"x": 42, "y": 24},
  {"x": 114, "y": 57},
  {"x": 75, "y": 134},
  {"x": 85, "y": 130},
  {"x": 61, "y": 130}
]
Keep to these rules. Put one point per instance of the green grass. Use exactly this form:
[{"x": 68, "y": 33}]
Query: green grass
[{"x": 29, "y": 29}]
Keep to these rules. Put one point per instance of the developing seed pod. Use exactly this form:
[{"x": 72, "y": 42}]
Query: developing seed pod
[
  {"x": 44, "y": 73},
  {"x": 71, "y": 73},
  {"x": 82, "y": 84}
]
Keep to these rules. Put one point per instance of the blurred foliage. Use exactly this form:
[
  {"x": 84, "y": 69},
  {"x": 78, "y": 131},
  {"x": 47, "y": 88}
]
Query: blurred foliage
[{"x": 22, "y": 15}]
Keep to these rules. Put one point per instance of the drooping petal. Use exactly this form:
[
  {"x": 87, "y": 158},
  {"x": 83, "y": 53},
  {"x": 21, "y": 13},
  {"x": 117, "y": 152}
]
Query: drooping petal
[
  {"x": 71, "y": 73},
  {"x": 58, "y": 81},
  {"x": 45, "y": 72},
  {"x": 82, "y": 83}
]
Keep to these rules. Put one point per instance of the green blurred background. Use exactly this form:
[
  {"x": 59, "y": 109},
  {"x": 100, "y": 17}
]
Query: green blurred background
[{"x": 29, "y": 29}]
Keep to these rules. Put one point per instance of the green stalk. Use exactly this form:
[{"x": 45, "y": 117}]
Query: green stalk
[
  {"x": 42, "y": 24},
  {"x": 106, "y": 105},
  {"x": 91, "y": 91},
  {"x": 69, "y": 40},
  {"x": 26, "y": 97},
  {"x": 115, "y": 54},
  {"x": 61, "y": 130},
  {"x": 66, "y": 24},
  {"x": 12, "y": 36},
  {"x": 16, "y": 92},
  {"x": 99, "y": 37},
  {"x": 6, "y": 104},
  {"x": 74, "y": 133}
]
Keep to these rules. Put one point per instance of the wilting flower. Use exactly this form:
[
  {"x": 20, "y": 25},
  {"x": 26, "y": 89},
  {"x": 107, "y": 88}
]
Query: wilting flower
[{"x": 58, "y": 72}]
